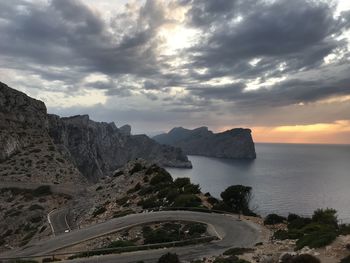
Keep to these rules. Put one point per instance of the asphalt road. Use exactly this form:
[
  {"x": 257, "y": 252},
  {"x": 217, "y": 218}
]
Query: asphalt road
[
  {"x": 232, "y": 233},
  {"x": 58, "y": 220}
]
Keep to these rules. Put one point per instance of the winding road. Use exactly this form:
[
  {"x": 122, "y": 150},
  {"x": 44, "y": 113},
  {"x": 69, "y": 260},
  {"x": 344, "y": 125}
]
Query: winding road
[{"x": 231, "y": 232}]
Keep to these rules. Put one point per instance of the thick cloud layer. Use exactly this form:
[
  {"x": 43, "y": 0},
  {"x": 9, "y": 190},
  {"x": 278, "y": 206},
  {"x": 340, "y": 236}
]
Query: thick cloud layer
[{"x": 244, "y": 61}]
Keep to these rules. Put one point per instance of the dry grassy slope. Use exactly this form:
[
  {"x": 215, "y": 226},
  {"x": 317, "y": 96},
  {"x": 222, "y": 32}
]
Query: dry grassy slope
[
  {"x": 39, "y": 161},
  {"x": 23, "y": 215}
]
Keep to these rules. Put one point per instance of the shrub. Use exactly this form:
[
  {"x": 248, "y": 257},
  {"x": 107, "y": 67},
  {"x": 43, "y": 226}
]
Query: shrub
[
  {"x": 325, "y": 216},
  {"x": 237, "y": 197},
  {"x": 345, "y": 260},
  {"x": 304, "y": 258},
  {"x": 42, "y": 191},
  {"x": 161, "y": 178},
  {"x": 99, "y": 188},
  {"x": 151, "y": 202},
  {"x": 272, "y": 219},
  {"x": 221, "y": 206},
  {"x": 192, "y": 189},
  {"x": 196, "y": 229},
  {"x": 298, "y": 223},
  {"x": 137, "y": 167},
  {"x": 291, "y": 234},
  {"x": 169, "y": 193},
  {"x": 169, "y": 258},
  {"x": 182, "y": 181},
  {"x": 212, "y": 200},
  {"x": 98, "y": 211},
  {"x": 316, "y": 239},
  {"x": 187, "y": 200}
]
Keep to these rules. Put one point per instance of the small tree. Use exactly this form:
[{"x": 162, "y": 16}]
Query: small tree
[
  {"x": 326, "y": 216},
  {"x": 238, "y": 197}
]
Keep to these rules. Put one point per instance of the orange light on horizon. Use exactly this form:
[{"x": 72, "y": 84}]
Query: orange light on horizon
[{"x": 337, "y": 132}]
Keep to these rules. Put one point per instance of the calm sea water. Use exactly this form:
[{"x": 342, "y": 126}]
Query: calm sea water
[{"x": 285, "y": 178}]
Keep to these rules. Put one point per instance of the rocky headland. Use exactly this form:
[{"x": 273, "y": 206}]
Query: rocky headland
[{"x": 236, "y": 143}]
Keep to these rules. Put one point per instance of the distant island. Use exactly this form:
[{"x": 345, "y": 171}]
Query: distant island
[{"x": 235, "y": 143}]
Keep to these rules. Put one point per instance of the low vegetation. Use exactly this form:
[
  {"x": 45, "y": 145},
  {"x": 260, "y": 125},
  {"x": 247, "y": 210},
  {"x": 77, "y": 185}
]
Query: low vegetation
[{"x": 318, "y": 231}]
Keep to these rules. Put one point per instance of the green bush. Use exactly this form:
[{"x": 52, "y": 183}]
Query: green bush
[
  {"x": 326, "y": 216},
  {"x": 161, "y": 178},
  {"x": 291, "y": 234},
  {"x": 345, "y": 260},
  {"x": 316, "y": 239},
  {"x": 151, "y": 202},
  {"x": 182, "y": 181},
  {"x": 238, "y": 197},
  {"x": 196, "y": 229},
  {"x": 137, "y": 167},
  {"x": 170, "y": 193},
  {"x": 187, "y": 200},
  {"x": 298, "y": 223},
  {"x": 192, "y": 189},
  {"x": 272, "y": 219},
  {"x": 221, "y": 206},
  {"x": 98, "y": 211},
  {"x": 42, "y": 191}
]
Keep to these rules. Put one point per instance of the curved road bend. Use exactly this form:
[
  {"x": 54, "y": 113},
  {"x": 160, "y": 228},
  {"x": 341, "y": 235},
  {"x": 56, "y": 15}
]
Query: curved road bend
[{"x": 233, "y": 233}]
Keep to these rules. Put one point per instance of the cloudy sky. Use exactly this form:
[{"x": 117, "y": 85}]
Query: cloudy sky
[{"x": 280, "y": 67}]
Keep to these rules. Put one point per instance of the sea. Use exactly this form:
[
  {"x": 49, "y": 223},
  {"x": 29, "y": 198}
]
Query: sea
[{"x": 285, "y": 178}]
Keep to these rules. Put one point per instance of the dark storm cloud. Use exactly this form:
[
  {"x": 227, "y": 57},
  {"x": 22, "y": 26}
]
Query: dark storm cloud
[
  {"x": 299, "y": 33},
  {"x": 66, "y": 33},
  {"x": 288, "y": 92}
]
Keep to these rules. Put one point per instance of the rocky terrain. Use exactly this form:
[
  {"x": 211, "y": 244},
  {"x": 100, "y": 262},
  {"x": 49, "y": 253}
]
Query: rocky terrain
[
  {"x": 236, "y": 143},
  {"x": 36, "y": 146},
  {"x": 98, "y": 148},
  {"x": 27, "y": 152},
  {"x": 23, "y": 214}
]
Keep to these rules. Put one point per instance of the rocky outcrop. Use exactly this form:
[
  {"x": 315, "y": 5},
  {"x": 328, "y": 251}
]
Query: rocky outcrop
[
  {"x": 98, "y": 148},
  {"x": 38, "y": 147},
  {"x": 27, "y": 153},
  {"x": 236, "y": 143},
  {"x": 18, "y": 112}
]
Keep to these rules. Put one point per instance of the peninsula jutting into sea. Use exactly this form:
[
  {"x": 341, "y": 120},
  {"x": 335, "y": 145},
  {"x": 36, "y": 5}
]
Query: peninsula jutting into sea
[{"x": 174, "y": 131}]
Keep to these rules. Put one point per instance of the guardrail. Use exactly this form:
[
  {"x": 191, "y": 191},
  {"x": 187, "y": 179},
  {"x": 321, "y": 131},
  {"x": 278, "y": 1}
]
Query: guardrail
[{"x": 105, "y": 251}]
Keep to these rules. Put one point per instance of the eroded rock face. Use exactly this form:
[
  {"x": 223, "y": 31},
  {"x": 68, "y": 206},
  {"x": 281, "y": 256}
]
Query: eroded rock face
[
  {"x": 35, "y": 146},
  {"x": 27, "y": 153},
  {"x": 236, "y": 143},
  {"x": 18, "y": 113},
  {"x": 98, "y": 148}
]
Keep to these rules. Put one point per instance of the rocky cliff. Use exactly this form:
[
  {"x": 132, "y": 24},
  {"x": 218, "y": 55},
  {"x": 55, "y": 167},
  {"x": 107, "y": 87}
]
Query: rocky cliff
[
  {"x": 37, "y": 146},
  {"x": 98, "y": 148},
  {"x": 236, "y": 143},
  {"x": 27, "y": 152}
]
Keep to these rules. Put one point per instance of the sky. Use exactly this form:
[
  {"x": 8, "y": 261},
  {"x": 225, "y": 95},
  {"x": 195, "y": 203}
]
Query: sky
[{"x": 279, "y": 67}]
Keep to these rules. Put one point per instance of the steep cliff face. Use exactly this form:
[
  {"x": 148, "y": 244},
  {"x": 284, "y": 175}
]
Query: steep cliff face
[
  {"x": 235, "y": 143},
  {"x": 98, "y": 148},
  {"x": 27, "y": 152},
  {"x": 38, "y": 147},
  {"x": 18, "y": 113}
]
